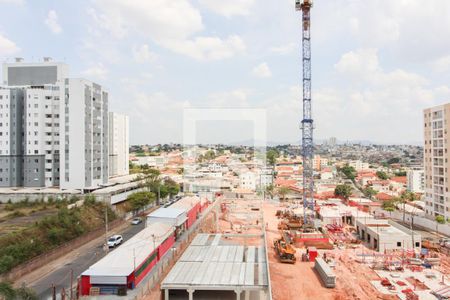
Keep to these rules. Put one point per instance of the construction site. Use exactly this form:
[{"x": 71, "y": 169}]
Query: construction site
[
  {"x": 329, "y": 250},
  {"x": 229, "y": 262}
]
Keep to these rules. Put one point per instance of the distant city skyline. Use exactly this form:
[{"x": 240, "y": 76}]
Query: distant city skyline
[{"x": 376, "y": 64}]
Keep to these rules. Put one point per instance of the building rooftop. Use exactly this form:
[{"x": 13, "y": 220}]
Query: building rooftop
[
  {"x": 210, "y": 264},
  {"x": 123, "y": 260},
  {"x": 167, "y": 212}
]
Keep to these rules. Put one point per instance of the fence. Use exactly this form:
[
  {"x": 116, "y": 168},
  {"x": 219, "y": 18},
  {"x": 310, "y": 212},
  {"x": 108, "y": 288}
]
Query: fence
[
  {"x": 43, "y": 259},
  {"x": 420, "y": 221}
]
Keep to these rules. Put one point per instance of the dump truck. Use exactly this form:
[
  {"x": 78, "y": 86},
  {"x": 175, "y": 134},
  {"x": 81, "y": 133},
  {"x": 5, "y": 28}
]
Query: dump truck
[{"x": 285, "y": 251}]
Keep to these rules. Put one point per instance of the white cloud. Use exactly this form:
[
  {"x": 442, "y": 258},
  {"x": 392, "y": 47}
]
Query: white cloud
[
  {"x": 207, "y": 48},
  {"x": 17, "y": 2},
  {"x": 143, "y": 54},
  {"x": 229, "y": 8},
  {"x": 98, "y": 71},
  {"x": 284, "y": 49},
  {"x": 156, "y": 111},
  {"x": 361, "y": 62},
  {"x": 52, "y": 22},
  {"x": 7, "y": 47},
  {"x": 229, "y": 99},
  {"x": 369, "y": 103},
  {"x": 262, "y": 70},
  {"x": 170, "y": 24},
  {"x": 442, "y": 64},
  {"x": 159, "y": 19}
]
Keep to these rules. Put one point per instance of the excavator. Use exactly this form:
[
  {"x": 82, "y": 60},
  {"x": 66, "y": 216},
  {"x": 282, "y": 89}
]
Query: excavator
[{"x": 284, "y": 249}]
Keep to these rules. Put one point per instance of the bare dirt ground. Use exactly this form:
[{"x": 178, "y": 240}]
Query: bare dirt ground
[
  {"x": 300, "y": 281},
  {"x": 11, "y": 221}
]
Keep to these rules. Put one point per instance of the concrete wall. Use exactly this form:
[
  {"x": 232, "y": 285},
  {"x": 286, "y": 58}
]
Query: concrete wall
[{"x": 421, "y": 221}]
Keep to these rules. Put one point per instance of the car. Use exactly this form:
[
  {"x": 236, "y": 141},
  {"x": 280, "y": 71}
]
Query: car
[
  {"x": 115, "y": 241},
  {"x": 136, "y": 221}
]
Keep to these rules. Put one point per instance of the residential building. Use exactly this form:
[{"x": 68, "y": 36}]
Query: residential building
[
  {"x": 53, "y": 130},
  {"x": 436, "y": 163},
  {"x": 358, "y": 165},
  {"x": 30, "y": 124},
  {"x": 247, "y": 180},
  {"x": 84, "y": 159},
  {"x": 119, "y": 144},
  {"x": 415, "y": 181},
  {"x": 265, "y": 179}
]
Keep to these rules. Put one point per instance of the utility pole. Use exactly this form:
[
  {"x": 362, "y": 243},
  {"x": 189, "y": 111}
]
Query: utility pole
[
  {"x": 71, "y": 284},
  {"x": 106, "y": 228},
  {"x": 53, "y": 291},
  {"x": 159, "y": 193}
]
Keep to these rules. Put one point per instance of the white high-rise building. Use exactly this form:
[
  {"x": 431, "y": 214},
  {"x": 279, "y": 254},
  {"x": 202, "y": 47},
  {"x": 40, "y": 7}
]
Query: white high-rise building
[
  {"x": 436, "y": 162},
  {"x": 84, "y": 159},
  {"x": 119, "y": 144},
  {"x": 415, "y": 181},
  {"x": 53, "y": 130}
]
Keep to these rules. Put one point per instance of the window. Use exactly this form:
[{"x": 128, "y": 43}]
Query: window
[
  {"x": 399, "y": 244},
  {"x": 417, "y": 244}
]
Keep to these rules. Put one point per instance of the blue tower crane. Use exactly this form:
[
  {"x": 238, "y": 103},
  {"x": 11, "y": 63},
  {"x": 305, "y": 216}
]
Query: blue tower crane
[{"x": 307, "y": 122}]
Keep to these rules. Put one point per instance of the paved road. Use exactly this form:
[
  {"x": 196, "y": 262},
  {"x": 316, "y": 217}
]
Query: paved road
[{"x": 61, "y": 276}]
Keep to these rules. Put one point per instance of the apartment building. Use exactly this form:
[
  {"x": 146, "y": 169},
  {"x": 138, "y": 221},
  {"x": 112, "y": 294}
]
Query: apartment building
[
  {"x": 415, "y": 181},
  {"x": 247, "y": 180},
  {"x": 40, "y": 110},
  {"x": 436, "y": 163},
  {"x": 29, "y": 124},
  {"x": 119, "y": 144},
  {"x": 358, "y": 165},
  {"x": 84, "y": 159}
]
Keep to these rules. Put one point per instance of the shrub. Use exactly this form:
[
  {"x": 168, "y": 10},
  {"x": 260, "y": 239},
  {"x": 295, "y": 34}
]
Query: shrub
[
  {"x": 89, "y": 200},
  {"x": 6, "y": 263}
]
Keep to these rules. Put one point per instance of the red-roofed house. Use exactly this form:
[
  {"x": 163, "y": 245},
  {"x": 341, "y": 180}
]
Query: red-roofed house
[
  {"x": 383, "y": 197},
  {"x": 285, "y": 182},
  {"x": 399, "y": 179}
]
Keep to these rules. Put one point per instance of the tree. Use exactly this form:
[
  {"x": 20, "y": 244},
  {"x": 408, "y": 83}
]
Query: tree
[
  {"x": 25, "y": 293},
  {"x": 439, "y": 220},
  {"x": 394, "y": 160},
  {"x": 369, "y": 192},
  {"x": 349, "y": 172},
  {"x": 382, "y": 175},
  {"x": 282, "y": 192},
  {"x": 172, "y": 187},
  {"x": 209, "y": 155},
  {"x": 270, "y": 190},
  {"x": 153, "y": 182},
  {"x": 404, "y": 198},
  {"x": 139, "y": 200},
  {"x": 271, "y": 156},
  {"x": 343, "y": 190},
  {"x": 400, "y": 173},
  {"x": 388, "y": 205},
  {"x": 7, "y": 291}
]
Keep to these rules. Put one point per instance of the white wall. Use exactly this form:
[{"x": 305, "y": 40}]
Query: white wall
[{"x": 118, "y": 144}]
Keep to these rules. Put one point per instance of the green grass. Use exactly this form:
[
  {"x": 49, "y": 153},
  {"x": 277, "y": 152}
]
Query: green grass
[{"x": 50, "y": 232}]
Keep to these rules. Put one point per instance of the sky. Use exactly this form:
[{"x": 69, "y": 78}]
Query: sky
[{"x": 376, "y": 64}]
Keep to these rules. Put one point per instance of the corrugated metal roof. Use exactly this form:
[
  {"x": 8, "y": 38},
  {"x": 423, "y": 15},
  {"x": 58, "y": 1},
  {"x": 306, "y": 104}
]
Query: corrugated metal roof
[
  {"x": 121, "y": 261},
  {"x": 167, "y": 212},
  {"x": 217, "y": 265}
]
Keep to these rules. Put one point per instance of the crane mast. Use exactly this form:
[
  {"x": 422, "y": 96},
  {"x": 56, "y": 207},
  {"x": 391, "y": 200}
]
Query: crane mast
[{"x": 307, "y": 121}]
